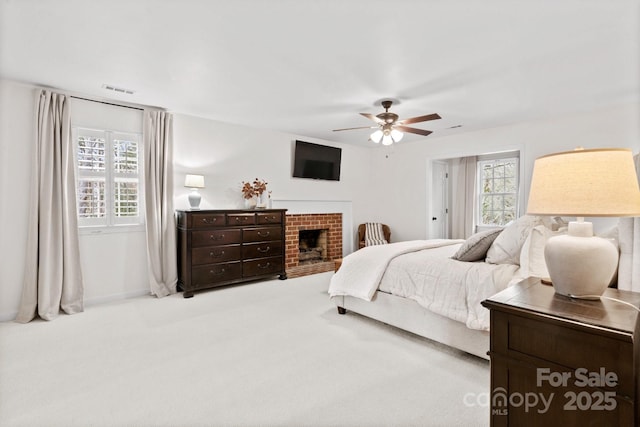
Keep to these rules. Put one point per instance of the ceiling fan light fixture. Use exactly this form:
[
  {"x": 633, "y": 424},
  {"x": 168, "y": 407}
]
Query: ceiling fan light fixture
[
  {"x": 387, "y": 121},
  {"x": 396, "y": 135},
  {"x": 376, "y": 136}
]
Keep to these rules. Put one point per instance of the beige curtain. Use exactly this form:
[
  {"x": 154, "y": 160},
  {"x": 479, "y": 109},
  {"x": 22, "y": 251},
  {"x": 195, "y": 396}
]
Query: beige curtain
[
  {"x": 464, "y": 197},
  {"x": 160, "y": 220},
  {"x": 52, "y": 278},
  {"x": 629, "y": 236}
]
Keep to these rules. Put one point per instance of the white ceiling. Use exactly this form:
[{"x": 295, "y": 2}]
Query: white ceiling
[{"x": 307, "y": 67}]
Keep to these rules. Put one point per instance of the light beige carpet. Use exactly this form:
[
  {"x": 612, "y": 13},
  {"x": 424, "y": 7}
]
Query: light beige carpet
[{"x": 272, "y": 353}]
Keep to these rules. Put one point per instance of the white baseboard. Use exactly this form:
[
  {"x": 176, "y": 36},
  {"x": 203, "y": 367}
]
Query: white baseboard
[{"x": 115, "y": 297}]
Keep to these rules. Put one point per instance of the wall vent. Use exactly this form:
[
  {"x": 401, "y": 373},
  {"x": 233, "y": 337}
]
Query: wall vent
[{"x": 118, "y": 89}]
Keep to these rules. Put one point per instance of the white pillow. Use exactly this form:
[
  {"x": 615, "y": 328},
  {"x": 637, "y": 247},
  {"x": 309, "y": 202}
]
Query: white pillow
[
  {"x": 507, "y": 246},
  {"x": 532, "y": 261}
]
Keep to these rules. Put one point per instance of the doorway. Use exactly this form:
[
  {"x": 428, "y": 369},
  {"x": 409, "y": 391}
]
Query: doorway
[{"x": 439, "y": 224}]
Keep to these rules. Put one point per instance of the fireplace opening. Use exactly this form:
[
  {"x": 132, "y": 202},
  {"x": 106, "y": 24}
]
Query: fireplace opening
[{"x": 312, "y": 246}]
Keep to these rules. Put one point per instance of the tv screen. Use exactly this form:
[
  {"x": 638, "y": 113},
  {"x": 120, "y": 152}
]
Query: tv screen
[{"x": 316, "y": 161}]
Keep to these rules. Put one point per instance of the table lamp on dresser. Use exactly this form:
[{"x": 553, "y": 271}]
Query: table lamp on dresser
[
  {"x": 583, "y": 183},
  {"x": 194, "y": 182}
]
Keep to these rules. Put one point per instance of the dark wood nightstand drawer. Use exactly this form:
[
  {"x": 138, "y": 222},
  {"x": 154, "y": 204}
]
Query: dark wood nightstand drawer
[
  {"x": 262, "y": 249},
  {"x": 215, "y": 254},
  {"x": 261, "y": 234},
  {"x": 262, "y": 266},
  {"x": 216, "y": 237},
  {"x": 568, "y": 346},
  {"x": 208, "y": 220},
  {"x": 241, "y": 219},
  {"x": 214, "y": 273},
  {"x": 269, "y": 218}
]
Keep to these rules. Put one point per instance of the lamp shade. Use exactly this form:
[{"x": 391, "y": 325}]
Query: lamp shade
[
  {"x": 597, "y": 182},
  {"x": 194, "y": 181}
]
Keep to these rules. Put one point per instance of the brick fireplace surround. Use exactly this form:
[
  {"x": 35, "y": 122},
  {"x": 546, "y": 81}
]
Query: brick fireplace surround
[{"x": 332, "y": 222}]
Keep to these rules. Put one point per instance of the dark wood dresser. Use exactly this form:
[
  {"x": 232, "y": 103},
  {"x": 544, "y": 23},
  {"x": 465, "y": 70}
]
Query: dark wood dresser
[
  {"x": 557, "y": 361},
  {"x": 222, "y": 247}
]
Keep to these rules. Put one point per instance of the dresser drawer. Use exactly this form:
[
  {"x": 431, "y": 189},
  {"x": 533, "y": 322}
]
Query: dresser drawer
[
  {"x": 215, "y": 237},
  {"x": 208, "y": 220},
  {"x": 215, "y": 254},
  {"x": 269, "y": 218},
  {"x": 262, "y": 249},
  {"x": 570, "y": 347},
  {"x": 262, "y": 266},
  {"x": 241, "y": 219},
  {"x": 261, "y": 234},
  {"x": 215, "y": 273}
]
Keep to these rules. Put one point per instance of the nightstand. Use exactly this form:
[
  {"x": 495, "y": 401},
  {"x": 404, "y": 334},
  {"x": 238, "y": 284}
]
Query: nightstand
[{"x": 562, "y": 361}]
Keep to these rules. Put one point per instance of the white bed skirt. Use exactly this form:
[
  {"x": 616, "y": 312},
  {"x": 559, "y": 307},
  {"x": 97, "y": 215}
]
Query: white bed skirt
[{"x": 407, "y": 314}]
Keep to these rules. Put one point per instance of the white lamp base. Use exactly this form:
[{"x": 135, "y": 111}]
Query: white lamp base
[
  {"x": 580, "y": 264},
  {"x": 194, "y": 199}
]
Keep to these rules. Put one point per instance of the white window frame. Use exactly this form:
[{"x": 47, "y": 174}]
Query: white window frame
[
  {"x": 110, "y": 222},
  {"x": 484, "y": 159}
]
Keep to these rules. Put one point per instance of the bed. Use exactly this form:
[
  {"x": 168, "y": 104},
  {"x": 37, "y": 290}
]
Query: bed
[{"x": 427, "y": 288}]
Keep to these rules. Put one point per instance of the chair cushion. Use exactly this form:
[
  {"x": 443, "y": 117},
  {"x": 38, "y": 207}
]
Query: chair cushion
[{"x": 374, "y": 235}]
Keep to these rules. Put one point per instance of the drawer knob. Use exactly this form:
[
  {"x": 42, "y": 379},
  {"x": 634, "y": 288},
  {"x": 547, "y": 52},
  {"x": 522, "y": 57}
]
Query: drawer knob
[
  {"x": 263, "y": 234},
  {"x": 216, "y": 236},
  {"x": 241, "y": 218},
  {"x": 217, "y": 273},
  {"x": 209, "y": 220},
  {"x": 267, "y": 265},
  {"x": 216, "y": 255},
  {"x": 265, "y": 250}
]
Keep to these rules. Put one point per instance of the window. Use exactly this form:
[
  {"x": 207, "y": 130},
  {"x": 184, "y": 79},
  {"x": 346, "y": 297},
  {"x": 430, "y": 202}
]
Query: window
[
  {"x": 498, "y": 189},
  {"x": 109, "y": 171}
]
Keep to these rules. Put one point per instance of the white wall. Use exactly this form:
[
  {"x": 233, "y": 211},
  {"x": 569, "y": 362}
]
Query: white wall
[
  {"x": 405, "y": 172},
  {"x": 228, "y": 154}
]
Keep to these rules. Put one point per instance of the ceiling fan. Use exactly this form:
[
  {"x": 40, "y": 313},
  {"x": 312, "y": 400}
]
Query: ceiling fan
[{"x": 389, "y": 128}]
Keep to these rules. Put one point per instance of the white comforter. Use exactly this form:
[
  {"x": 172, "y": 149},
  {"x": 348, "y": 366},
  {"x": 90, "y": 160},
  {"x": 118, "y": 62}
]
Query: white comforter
[
  {"x": 362, "y": 270},
  {"x": 424, "y": 272}
]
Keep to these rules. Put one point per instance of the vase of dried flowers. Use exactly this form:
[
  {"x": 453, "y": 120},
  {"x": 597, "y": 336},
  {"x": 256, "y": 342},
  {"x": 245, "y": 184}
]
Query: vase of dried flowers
[
  {"x": 255, "y": 194},
  {"x": 249, "y": 195},
  {"x": 260, "y": 189}
]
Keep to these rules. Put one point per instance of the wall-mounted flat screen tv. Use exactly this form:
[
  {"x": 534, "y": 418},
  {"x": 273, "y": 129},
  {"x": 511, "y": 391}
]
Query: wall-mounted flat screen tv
[{"x": 316, "y": 161}]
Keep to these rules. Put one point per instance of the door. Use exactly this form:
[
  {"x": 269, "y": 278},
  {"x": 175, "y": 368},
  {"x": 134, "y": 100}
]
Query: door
[{"x": 439, "y": 224}]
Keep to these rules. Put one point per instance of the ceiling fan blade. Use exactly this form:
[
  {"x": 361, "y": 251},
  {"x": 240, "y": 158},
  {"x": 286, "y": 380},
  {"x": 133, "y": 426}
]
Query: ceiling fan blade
[
  {"x": 361, "y": 127},
  {"x": 420, "y": 119},
  {"x": 372, "y": 117},
  {"x": 413, "y": 130}
]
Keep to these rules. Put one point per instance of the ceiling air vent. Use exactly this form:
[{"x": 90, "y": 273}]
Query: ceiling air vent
[{"x": 118, "y": 89}]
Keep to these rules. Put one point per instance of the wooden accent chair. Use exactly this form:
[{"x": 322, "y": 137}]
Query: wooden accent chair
[{"x": 361, "y": 234}]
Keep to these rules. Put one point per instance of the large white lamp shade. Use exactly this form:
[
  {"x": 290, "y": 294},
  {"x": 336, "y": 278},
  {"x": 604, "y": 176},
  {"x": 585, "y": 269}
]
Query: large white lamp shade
[
  {"x": 194, "y": 182},
  {"x": 583, "y": 183}
]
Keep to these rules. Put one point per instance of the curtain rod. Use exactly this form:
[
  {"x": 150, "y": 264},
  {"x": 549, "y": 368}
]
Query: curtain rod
[{"x": 107, "y": 103}]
